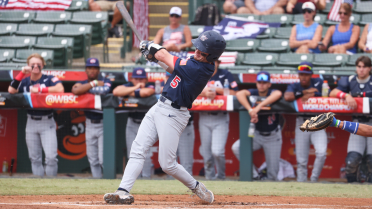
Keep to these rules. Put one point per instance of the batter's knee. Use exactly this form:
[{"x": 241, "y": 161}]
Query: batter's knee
[
  {"x": 137, "y": 151},
  {"x": 168, "y": 166},
  {"x": 353, "y": 160}
]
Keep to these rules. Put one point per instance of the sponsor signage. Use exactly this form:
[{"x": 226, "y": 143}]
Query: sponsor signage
[
  {"x": 328, "y": 104},
  {"x": 219, "y": 103},
  {"x": 65, "y": 100}
]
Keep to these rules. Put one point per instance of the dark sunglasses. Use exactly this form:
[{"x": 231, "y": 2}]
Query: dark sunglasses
[
  {"x": 344, "y": 13},
  {"x": 174, "y": 15},
  {"x": 203, "y": 54},
  {"x": 307, "y": 11},
  {"x": 304, "y": 68}
]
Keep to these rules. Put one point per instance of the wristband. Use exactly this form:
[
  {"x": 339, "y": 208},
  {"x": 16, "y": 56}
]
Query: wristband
[
  {"x": 341, "y": 95},
  {"x": 137, "y": 93},
  {"x": 92, "y": 84},
  {"x": 298, "y": 94},
  {"x": 163, "y": 65},
  {"x": 95, "y": 82},
  {"x": 20, "y": 76},
  {"x": 15, "y": 83},
  {"x": 250, "y": 110},
  {"x": 351, "y": 127},
  {"x": 42, "y": 89}
]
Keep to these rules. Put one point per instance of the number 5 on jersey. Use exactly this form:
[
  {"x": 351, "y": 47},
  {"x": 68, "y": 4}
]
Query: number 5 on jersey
[{"x": 175, "y": 82}]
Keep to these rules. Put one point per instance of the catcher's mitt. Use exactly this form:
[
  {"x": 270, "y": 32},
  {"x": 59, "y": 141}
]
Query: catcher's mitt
[{"x": 318, "y": 122}]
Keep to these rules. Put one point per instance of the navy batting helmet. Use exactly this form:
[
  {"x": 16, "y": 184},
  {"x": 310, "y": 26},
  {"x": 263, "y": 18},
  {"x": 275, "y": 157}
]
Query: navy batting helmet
[{"x": 212, "y": 43}]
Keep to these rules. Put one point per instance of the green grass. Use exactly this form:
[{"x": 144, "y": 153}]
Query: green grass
[{"x": 13, "y": 186}]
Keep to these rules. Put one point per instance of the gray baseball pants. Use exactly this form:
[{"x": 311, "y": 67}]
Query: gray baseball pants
[{"x": 94, "y": 142}]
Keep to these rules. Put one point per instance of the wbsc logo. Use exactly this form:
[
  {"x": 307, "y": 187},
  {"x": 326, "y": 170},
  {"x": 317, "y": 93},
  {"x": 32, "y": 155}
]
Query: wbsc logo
[{"x": 62, "y": 99}]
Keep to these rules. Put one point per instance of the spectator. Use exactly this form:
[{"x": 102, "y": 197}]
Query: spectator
[
  {"x": 109, "y": 5},
  {"x": 214, "y": 126},
  {"x": 306, "y": 36},
  {"x": 95, "y": 84},
  {"x": 138, "y": 87},
  {"x": 268, "y": 134},
  {"x": 359, "y": 85},
  {"x": 306, "y": 88},
  {"x": 344, "y": 35},
  {"x": 175, "y": 37},
  {"x": 263, "y": 7},
  {"x": 231, "y": 6},
  {"x": 295, "y": 6},
  {"x": 40, "y": 127},
  {"x": 365, "y": 42}
]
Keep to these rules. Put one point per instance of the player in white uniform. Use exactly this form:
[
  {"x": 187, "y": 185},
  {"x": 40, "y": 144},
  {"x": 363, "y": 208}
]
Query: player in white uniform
[{"x": 40, "y": 127}]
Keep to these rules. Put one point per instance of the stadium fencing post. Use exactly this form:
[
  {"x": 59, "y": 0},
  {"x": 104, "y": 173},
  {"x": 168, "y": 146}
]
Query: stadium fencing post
[
  {"x": 109, "y": 143},
  {"x": 246, "y": 148}
]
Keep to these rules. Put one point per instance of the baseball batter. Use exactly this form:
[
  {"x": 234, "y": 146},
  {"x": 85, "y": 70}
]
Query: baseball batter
[
  {"x": 308, "y": 87},
  {"x": 347, "y": 88},
  {"x": 214, "y": 126},
  {"x": 268, "y": 134},
  {"x": 138, "y": 87},
  {"x": 95, "y": 84},
  {"x": 169, "y": 116},
  {"x": 40, "y": 127}
]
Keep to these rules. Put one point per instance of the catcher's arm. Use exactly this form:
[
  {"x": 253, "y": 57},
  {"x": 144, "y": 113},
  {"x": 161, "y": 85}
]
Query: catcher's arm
[{"x": 353, "y": 127}]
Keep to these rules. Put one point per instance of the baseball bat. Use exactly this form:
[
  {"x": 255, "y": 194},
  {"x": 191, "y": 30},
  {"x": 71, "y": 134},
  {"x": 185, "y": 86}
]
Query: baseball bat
[{"x": 127, "y": 18}]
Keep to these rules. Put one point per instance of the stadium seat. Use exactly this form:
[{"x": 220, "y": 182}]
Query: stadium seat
[
  {"x": 344, "y": 70},
  {"x": 365, "y": 19},
  {"x": 16, "y": 42},
  {"x": 284, "y": 32},
  {"x": 250, "y": 17},
  {"x": 62, "y": 47},
  {"x": 242, "y": 45},
  {"x": 11, "y": 16},
  {"x": 54, "y": 17},
  {"x": 78, "y": 5},
  {"x": 329, "y": 60},
  {"x": 196, "y": 30},
  {"x": 22, "y": 54},
  {"x": 328, "y": 8},
  {"x": 6, "y": 55},
  {"x": 8, "y": 28},
  {"x": 283, "y": 19},
  {"x": 280, "y": 69},
  {"x": 260, "y": 59},
  {"x": 299, "y": 18},
  {"x": 354, "y": 18},
  {"x": 274, "y": 45},
  {"x": 268, "y": 33},
  {"x": 244, "y": 69},
  {"x": 38, "y": 29},
  {"x": 354, "y": 57},
  {"x": 324, "y": 31},
  {"x": 323, "y": 70},
  {"x": 82, "y": 38},
  {"x": 292, "y": 59},
  {"x": 362, "y": 7}
]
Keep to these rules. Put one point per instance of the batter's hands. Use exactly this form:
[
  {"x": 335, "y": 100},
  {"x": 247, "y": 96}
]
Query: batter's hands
[
  {"x": 350, "y": 101},
  {"x": 26, "y": 70}
]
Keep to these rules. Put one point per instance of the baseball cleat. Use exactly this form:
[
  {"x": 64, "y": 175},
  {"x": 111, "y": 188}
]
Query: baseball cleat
[
  {"x": 119, "y": 197},
  {"x": 203, "y": 193}
]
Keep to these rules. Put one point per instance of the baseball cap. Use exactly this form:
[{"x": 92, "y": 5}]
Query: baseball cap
[
  {"x": 92, "y": 62},
  {"x": 308, "y": 5},
  {"x": 305, "y": 67},
  {"x": 175, "y": 10},
  {"x": 167, "y": 74},
  {"x": 139, "y": 73},
  {"x": 263, "y": 76}
]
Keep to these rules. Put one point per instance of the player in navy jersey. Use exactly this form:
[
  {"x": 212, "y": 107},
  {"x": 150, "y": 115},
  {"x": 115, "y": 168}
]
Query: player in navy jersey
[
  {"x": 306, "y": 88},
  {"x": 137, "y": 87},
  {"x": 40, "y": 127},
  {"x": 267, "y": 133},
  {"x": 95, "y": 84},
  {"x": 214, "y": 126},
  {"x": 167, "y": 119}
]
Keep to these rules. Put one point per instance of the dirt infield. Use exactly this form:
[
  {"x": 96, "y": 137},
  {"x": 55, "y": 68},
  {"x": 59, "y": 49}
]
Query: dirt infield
[{"x": 182, "y": 201}]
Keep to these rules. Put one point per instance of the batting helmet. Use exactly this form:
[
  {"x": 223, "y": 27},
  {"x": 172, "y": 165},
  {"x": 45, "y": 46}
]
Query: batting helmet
[{"x": 212, "y": 43}]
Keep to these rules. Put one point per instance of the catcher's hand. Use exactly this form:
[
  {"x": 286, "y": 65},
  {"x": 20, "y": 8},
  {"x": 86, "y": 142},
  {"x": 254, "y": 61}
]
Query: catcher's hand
[{"x": 317, "y": 123}]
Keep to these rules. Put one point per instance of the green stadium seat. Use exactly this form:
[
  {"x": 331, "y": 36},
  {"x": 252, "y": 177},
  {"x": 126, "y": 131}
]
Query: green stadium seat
[
  {"x": 330, "y": 60},
  {"x": 299, "y": 18},
  {"x": 242, "y": 45},
  {"x": 16, "y": 42},
  {"x": 260, "y": 59},
  {"x": 54, "y": 17},
  {"x": 23, "y": 54},
  {"x": 6, "y": 55},
  {"x": 82, "y": 38},
  {"x": 284, "y": 32},
  {"x": 11, "y": 16},
  {"x": 244, "y": 69},
  {"x": 268, "y": 33},
  {"x": 39, "y": 29},
  {"x": 196, "y": 30},
  {"x": 292, "y": 59},
  {"x": 323, "y": 70},
  {"x": 8, "y": 28},
  {"x": 78, "y": 5},
  {"x": 250, "y": 17},
  {"x": 354, "y": 18},
  {"x": 362, "y": 7},
  {"x": 324, "y": 31},
  {"x": 354, "y": 57},
  {"x": 280, "y": 69},
  {"x": 328, "y": 8},
  {"x": 365, "y": 19},
  {"x": 274, "y": 45},
  {"x": 283, "y": 19},
  {"x": 344, "y": 70},
  {"x": 62, "y": 47}
]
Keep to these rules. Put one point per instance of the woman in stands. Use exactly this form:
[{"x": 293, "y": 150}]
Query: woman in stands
[
  {"x": 344, "y": 36},
  {"x": 306, "y": 36},
  {"x": 365, "y": 42}
]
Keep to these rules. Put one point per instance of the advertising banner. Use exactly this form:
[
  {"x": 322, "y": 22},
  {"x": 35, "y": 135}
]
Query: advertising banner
[
  {"x": 219, "y": 103},
  {"x": 65, "y": 100},
  {"x": 327, "y": 104}
]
